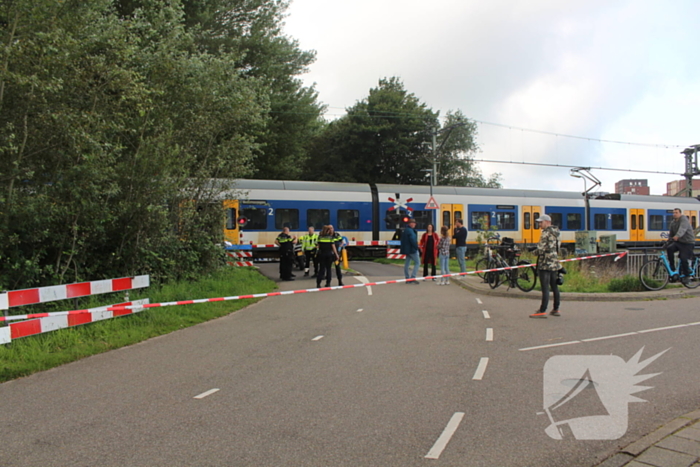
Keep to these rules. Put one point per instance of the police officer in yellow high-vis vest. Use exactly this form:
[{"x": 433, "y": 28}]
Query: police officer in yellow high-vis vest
[
  {"x": 286, "y": 243},
  {"x": 309, "y": 244}
]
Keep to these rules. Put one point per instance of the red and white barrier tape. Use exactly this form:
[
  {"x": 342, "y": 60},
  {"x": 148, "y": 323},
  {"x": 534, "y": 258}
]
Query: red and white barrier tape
[
  {"x": 293, "y": 292},
  {"x": 352, "y": 286}
]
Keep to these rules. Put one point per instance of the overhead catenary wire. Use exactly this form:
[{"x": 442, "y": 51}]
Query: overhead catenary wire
[{"x": 542, "y": 164}]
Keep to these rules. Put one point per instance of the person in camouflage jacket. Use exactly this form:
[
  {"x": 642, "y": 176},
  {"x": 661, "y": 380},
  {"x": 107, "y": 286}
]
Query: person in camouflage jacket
[{"x": 548, "y": 266}]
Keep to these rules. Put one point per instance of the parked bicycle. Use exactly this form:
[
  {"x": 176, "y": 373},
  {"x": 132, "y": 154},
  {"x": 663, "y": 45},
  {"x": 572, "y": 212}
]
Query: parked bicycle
[
  {"x": 656, "y": 273},
  {"x": 483, "y": 263},
  {"x": 523, "y": 278}
]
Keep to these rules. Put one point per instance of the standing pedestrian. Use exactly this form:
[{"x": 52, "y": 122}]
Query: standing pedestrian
[
  {"x": 340, "y": 244},
  {"x": 548, "y": 266},
  {"x": 429, "y": 249},
  {"x": 683, "y": 242},
  {"x": 409, "y": 247},
  {"x": 444, "y": 251},
  {"x": 309, "y": 247},
  {"x": 327, "y": 253},
  {"x": 460, "y": 237},
  {"x": 286, "y": 242}
]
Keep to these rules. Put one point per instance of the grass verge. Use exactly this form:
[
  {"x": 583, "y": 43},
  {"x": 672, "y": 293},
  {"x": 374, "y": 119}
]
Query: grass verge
[{"x": 37, "y": 353}]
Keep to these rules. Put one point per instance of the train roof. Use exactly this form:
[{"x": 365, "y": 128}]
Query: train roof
[{"x": 298, "y": 185}]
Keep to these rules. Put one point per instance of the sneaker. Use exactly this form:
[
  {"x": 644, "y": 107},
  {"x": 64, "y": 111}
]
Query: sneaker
[
  {"x": 685, "y": 281},
  {"x": 555, "y": 313},
  {"x": 539, "y": 315}
]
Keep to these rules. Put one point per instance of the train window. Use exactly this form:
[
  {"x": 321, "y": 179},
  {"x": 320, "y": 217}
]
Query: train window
[
  {"x": 656, "y": 222},
  {"x": 573, "y": 221},
  {"x": 641, "y": 222},
  {"x": 317, "y": 218},
  {"x": 536, "y": 215},
  {"x": 287, "y": 218},
  {"x": 480, "y": 221},
  {"x": 423, "y": 218},
  {"x": 348, "y": 219},
  {"x": 526, "y": 221},
  {"x": 600, "y": 222},
  {"x": 458, "y": 214},
  {"x": 693, "y": 221},
  {"x": 257, "y": 218},
  {"x": 446, "y": 221},
  {"x": 556, "y": 219},
  {"x": 231, "y": 219},
  {"x": 505, "y": 220},
  {"x": 393, "y": 218},
  {"x": 633, "y": 225},
  {"x": 618, "y": 221}
]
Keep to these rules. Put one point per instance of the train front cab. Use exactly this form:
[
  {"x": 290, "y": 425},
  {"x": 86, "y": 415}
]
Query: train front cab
[{"x": 231, "y": 230}]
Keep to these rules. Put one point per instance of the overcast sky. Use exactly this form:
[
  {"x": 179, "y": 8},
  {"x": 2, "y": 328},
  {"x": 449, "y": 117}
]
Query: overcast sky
[{"x": 610, "y": 70}]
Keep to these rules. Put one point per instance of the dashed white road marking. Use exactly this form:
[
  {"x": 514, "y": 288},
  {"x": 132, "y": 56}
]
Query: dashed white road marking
[
  {"x": 317, "y": 338},
  {"x": 445, "y": 437},
  {"x": 478, "y": 300},
  {"x": 359, "y": 310},
  {"x": 364, "y": 280},
  {"x": 207, "y": 393},
  {"x": 486, "y": 314},
  {"x": 614, "y": 336},
  {"x": 481, "y": 369},
  {"x": 489, "y": 334}
]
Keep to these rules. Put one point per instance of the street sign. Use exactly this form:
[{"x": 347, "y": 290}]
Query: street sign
[
  {"x": 432, "y": 204},
  {"x": 398, "y": 205}
]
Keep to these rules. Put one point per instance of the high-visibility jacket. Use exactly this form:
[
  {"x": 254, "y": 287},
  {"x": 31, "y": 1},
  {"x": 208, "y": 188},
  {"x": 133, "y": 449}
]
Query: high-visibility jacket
[
  {"x": 286, "y": 243},
  {"x": 325, "y": 245},
  {"x": 309, "y": 241}
]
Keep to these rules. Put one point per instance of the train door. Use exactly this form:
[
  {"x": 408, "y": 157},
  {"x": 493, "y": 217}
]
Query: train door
[
  {"x": 531, "y": 228},
  {"x": 231, "y": 231},
  {"x": 637, "y": 225},
  {"x": 449, "y": 213},
  {"x": 692, "y": 218}
]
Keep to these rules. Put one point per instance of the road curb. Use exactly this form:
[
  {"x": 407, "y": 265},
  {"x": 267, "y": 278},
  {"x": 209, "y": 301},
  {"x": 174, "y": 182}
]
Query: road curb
[
  {"x": 658, "y": 444},
  {"x": 475, "y": 285}
]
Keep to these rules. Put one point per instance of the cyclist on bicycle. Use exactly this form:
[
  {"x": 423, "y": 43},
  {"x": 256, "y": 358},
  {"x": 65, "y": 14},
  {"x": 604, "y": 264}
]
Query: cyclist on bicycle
[
  {"x": 548, "y": 265},
  {"x": 683, "y": 242}
]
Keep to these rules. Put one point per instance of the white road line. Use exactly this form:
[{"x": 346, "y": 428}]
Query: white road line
[
  {"x": 481, "y": 369},
  {"x": 364, "y": 280},
  {"x": 208, "y": 393},
  {"x": 614, "y": 336},
  {"x": 486, "y": 314},
  {"x": 445, "y": 437},
  {"x": 489, "y": 334},
  {"x": 478, "y": 300},
  {"x": 317, "y": 338},
  {"x": 359, "y": 310}
]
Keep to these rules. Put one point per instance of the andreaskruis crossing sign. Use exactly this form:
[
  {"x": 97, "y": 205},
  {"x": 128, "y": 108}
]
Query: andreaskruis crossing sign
[{"x": 432, "y": 204}]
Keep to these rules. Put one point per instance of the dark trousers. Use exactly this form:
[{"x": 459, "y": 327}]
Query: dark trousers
[
  {"x": 339, "y": 272},
  {"x": 429, "y": 260},
  {"x": 311, "y": 256},
  {"x": 324, "y": 270},
  {"x": 685, "y": 253},
  {"x": 548, "y": 279},
  {"x": 286, "y": 265}
]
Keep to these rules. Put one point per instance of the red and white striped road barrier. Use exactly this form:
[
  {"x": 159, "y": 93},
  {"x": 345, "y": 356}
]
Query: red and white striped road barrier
[
  {"x": 370, "y": 243},
  {"x": 237, "y": 255},
  {"x": 240, "y": 263},
  {"x": 48, "y": 322},
  {"x": 352, "y": 286},
  {"x": 62, "y": 292},
  {"x": 394, "y": 253}
]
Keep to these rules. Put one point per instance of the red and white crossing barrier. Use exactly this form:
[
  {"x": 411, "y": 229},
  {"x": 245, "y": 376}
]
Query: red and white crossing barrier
[
  {"x": 237, "y": 255},
  {"x": 48, "y": 322},
  {"x": 369, "y": 243},
  {"x": 62, "y": 292},
  {"x": 352, "y": 286},
  {"x": 394, "y": 253}
]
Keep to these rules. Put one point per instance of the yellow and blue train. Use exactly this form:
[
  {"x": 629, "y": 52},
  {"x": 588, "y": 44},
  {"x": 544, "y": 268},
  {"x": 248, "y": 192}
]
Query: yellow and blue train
[{"x": 369, "y": 214}]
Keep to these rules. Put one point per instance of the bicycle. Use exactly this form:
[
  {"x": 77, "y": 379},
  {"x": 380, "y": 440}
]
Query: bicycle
[
  {"x": 656, "y": 273},
  {"x": 483, "y": 263},
  {"x": 523, "y": 278}
]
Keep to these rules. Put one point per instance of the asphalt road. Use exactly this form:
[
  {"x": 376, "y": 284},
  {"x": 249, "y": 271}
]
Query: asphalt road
[{"x": 345, "y": 378}]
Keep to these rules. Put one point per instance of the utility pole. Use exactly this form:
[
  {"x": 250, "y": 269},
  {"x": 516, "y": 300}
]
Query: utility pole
[{"x": 691, "y": 168}]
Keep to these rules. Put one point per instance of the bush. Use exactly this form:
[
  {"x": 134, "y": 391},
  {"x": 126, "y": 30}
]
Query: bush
[{"x": 626, "y": 283}]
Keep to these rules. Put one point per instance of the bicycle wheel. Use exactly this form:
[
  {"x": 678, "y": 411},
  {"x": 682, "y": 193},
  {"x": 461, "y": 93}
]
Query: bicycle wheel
[
  {"x": 480, "y": 265},
  {"x": 525, "y": 278},
  {"x": 494, "y": 278},
  {"x": 654, "y": 275},
  {"x": 693, "y": 280}
]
